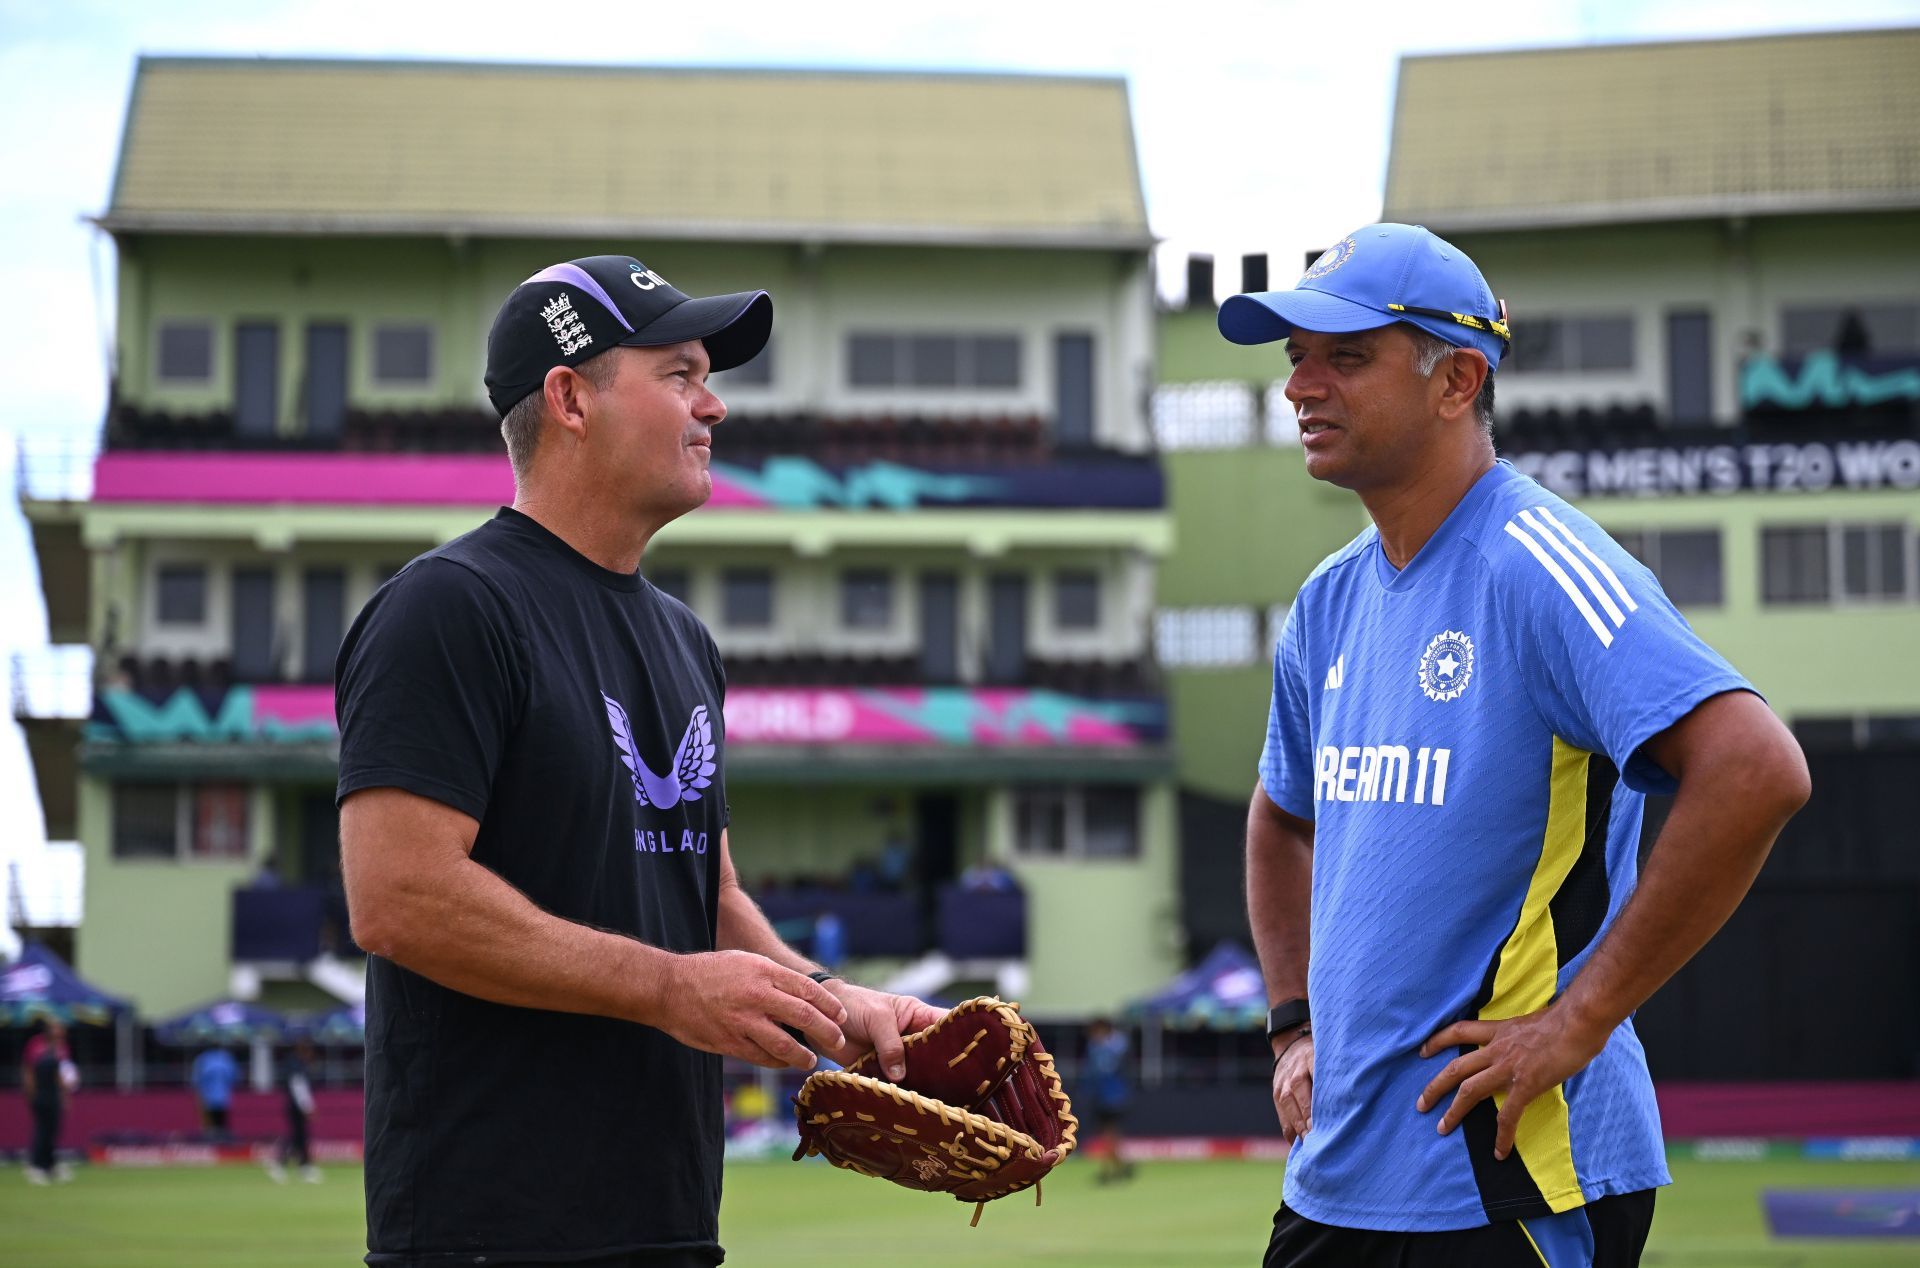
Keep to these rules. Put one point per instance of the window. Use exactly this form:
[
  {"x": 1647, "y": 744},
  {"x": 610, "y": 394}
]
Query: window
[
  {"x": 1205, "y": 638},
  {"x": 1572, "y": 344},
  {"x": 1111, "y": 824},
  {"x": 1097, "y": 822},
  {"x": 219, "y": 822},
  {"x": 866, "y": 599},
  {"x": 1793, "y": 565},
  {"x": 755, "y": 373},
  {"x": 1856, "y": 328},
  {"x": 1040, "y": 821},
  {"x": 170, "y": 821},
  {"x": 1873, "y": 561},
  {"x": 996, "y": 361},
  {"x": 1686, "y": 562},
  {"x": 1076, "y": 600},
  {"x": 182, "y": 594},
  {"x": 934, "y": 361},
  {"x": 184, "y": 352},
  {"x": 403, "y": 356},
  {"x": 145, "y": 821},
  {"x": 870, "y": 361},
  {"x": 1844, "y": 563},
  {"x": 673, "y": 581},
  {"x": 746, "y": 598}
]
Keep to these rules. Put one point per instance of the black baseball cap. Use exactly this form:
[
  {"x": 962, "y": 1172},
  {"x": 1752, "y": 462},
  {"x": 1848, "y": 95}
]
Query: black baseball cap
[{"x": 572, "y": 312}]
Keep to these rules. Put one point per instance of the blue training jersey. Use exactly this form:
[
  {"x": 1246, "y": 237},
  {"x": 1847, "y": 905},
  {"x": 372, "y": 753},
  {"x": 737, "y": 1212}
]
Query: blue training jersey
[{"x": 1465, "y": 735}]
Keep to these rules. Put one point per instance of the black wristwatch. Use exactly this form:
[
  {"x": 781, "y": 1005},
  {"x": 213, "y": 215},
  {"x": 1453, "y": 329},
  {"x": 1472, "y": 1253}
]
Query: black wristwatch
[{"x": 1286, "y": 1016}]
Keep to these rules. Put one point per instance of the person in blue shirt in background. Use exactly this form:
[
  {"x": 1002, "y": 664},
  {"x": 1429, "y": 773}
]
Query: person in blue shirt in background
[
  {"x": 1108, "y": 1094},
  {"x": 1470, "y": 702},
  {"x": 214, "y": 1074}
]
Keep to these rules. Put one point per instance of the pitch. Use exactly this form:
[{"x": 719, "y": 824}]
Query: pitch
[{"x": 1173, "y": 1215}]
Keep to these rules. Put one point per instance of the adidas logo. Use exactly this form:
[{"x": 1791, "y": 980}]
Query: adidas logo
[{"x": 1337, "y": 673}]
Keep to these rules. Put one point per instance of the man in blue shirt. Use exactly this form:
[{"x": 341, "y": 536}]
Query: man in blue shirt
[
  {"x": 214, "y": 1074},
  {"x": 1470, "y": 702}
]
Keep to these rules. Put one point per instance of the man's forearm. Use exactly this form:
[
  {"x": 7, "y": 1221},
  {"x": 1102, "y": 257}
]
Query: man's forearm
[
  {"x": 1724, "y": 821},
  {"x": 1279, "y": 896},
  {"x": 742, "y": 926},
  {"x": 467, "y": 929}
]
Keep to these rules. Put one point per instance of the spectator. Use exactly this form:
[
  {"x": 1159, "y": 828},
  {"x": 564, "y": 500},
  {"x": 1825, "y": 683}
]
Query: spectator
[
  {"x": 296, "y": 1086},
  {"x": 1107, "y": 1086},
  {"x": 49, "y": 1077},
  {"x": 829, "y": 939},
  {"x": 214, "y": 1074}
]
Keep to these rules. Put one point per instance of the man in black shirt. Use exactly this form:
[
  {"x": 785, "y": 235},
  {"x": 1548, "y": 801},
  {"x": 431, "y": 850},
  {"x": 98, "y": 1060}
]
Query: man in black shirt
[{"x": 534, "y": 823}]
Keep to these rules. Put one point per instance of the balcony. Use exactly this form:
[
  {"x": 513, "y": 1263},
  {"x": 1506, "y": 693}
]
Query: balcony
[
  {"x": 860, "y": 720},
  {"x": 983, "y": 441}
]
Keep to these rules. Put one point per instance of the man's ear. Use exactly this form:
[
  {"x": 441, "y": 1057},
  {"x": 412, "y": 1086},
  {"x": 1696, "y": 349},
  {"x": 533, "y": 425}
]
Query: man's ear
[
  {"x": 567, "y": 395},
  {"x": 1460, "y": 383}
]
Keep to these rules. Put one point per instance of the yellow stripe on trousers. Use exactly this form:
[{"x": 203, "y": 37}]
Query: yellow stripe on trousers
[{"x": 1529, "y": 965}]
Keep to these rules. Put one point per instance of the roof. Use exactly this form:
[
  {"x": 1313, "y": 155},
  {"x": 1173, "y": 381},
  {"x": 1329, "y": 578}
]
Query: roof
[
  {"x": 1792, "y": 123},
  {"x": 219, "y": 145}
]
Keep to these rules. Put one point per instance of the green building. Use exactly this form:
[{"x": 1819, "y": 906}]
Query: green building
[{"x": 929, "y": 562}]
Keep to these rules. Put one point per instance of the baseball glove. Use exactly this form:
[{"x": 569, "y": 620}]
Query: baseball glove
[{"x": 980, "y": 1113}]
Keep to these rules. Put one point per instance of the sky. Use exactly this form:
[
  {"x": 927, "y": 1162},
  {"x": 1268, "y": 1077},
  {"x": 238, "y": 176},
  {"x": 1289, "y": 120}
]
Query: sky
[{"x": 1213, "y": 93}]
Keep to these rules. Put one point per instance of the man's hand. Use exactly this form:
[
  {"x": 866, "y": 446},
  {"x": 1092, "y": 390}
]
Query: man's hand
[
  {"x": 1293, "y": 1087},
  {"x": 874, "y": 1023},
  {"x": 1520, "y": 1057},
  {"x": 735, "y": 1003}
]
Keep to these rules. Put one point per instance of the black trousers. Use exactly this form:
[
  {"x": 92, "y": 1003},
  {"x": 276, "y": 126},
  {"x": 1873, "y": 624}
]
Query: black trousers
[
  {"x": 294, "y": 1146},
  {"x": 46, "y": 1135},
  {"x": 1619, "y": 1228}
]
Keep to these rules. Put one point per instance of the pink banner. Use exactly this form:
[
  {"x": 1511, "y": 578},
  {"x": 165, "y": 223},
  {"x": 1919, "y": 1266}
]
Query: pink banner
[
  {"x": 958, "y": 717},
  {"x": 983, "y": 718},
  {"x": 293, "y": 705},
  {"x": 356, "y": 479}
]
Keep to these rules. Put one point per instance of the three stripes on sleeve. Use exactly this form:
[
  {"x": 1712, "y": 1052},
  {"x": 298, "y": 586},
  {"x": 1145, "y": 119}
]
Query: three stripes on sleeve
[{"x": 1541, "y": 532}]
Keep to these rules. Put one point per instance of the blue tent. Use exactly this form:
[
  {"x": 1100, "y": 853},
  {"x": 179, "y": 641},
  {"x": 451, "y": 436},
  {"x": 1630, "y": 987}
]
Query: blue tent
[
  {"x": 41, "y": 984},
  {"x": 226, "y": 1021},
  {"x": 1224, "y": 990},
  {"x": 346, "y": 1024}
]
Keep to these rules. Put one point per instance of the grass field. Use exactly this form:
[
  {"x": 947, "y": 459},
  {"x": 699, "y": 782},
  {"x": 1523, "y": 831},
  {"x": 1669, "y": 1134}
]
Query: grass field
[{"x": 1174, "y": 1215}]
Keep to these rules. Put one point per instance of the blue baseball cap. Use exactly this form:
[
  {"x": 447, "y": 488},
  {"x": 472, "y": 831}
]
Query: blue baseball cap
[{"x": 1374, "y": 277}]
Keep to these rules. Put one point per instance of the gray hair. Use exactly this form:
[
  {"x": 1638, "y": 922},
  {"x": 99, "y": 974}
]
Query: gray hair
[
  {"x": 521, "y": 427},
  {"x": 1428, "y": 349}
]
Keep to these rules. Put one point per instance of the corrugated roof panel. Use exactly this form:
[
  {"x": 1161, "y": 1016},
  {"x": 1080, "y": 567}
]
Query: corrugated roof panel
[
  {"x": 978, "y": 155},
  {"x": 1711, "y": 127}
]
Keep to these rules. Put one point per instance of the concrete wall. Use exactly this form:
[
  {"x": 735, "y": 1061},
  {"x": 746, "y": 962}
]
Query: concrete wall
[
  {"x": 1099, "y": 932},
  {"x": 159, "y": 931}
]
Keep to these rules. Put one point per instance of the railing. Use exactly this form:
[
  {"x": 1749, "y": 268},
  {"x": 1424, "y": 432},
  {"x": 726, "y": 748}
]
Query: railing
[
  {"x": 156, "y": 677},
  {"x": 54, "y": 466},
  {"x": 914, "y": 440},
  {"x": 46, "y": 887},
  {"x": 53, "y": 682}
]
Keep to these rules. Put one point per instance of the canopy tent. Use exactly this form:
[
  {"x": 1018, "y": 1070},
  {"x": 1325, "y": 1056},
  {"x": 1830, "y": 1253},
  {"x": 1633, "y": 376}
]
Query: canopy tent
[
  {"x": 346, "y": 1024},
  {"x": 41, "y": 984},
  {"x": 1224, "y": 991},
  {"x": 227, "y": 1021}
]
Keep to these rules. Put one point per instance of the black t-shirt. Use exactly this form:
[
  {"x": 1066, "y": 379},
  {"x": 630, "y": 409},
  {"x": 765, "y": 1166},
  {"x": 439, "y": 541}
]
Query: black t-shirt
[{"x": 576, "y": 714}]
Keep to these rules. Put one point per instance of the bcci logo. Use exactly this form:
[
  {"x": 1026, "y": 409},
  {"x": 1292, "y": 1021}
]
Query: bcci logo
[
  {"x": 1446, "y": 667},
  {"x": 1330, "y": 259}
]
